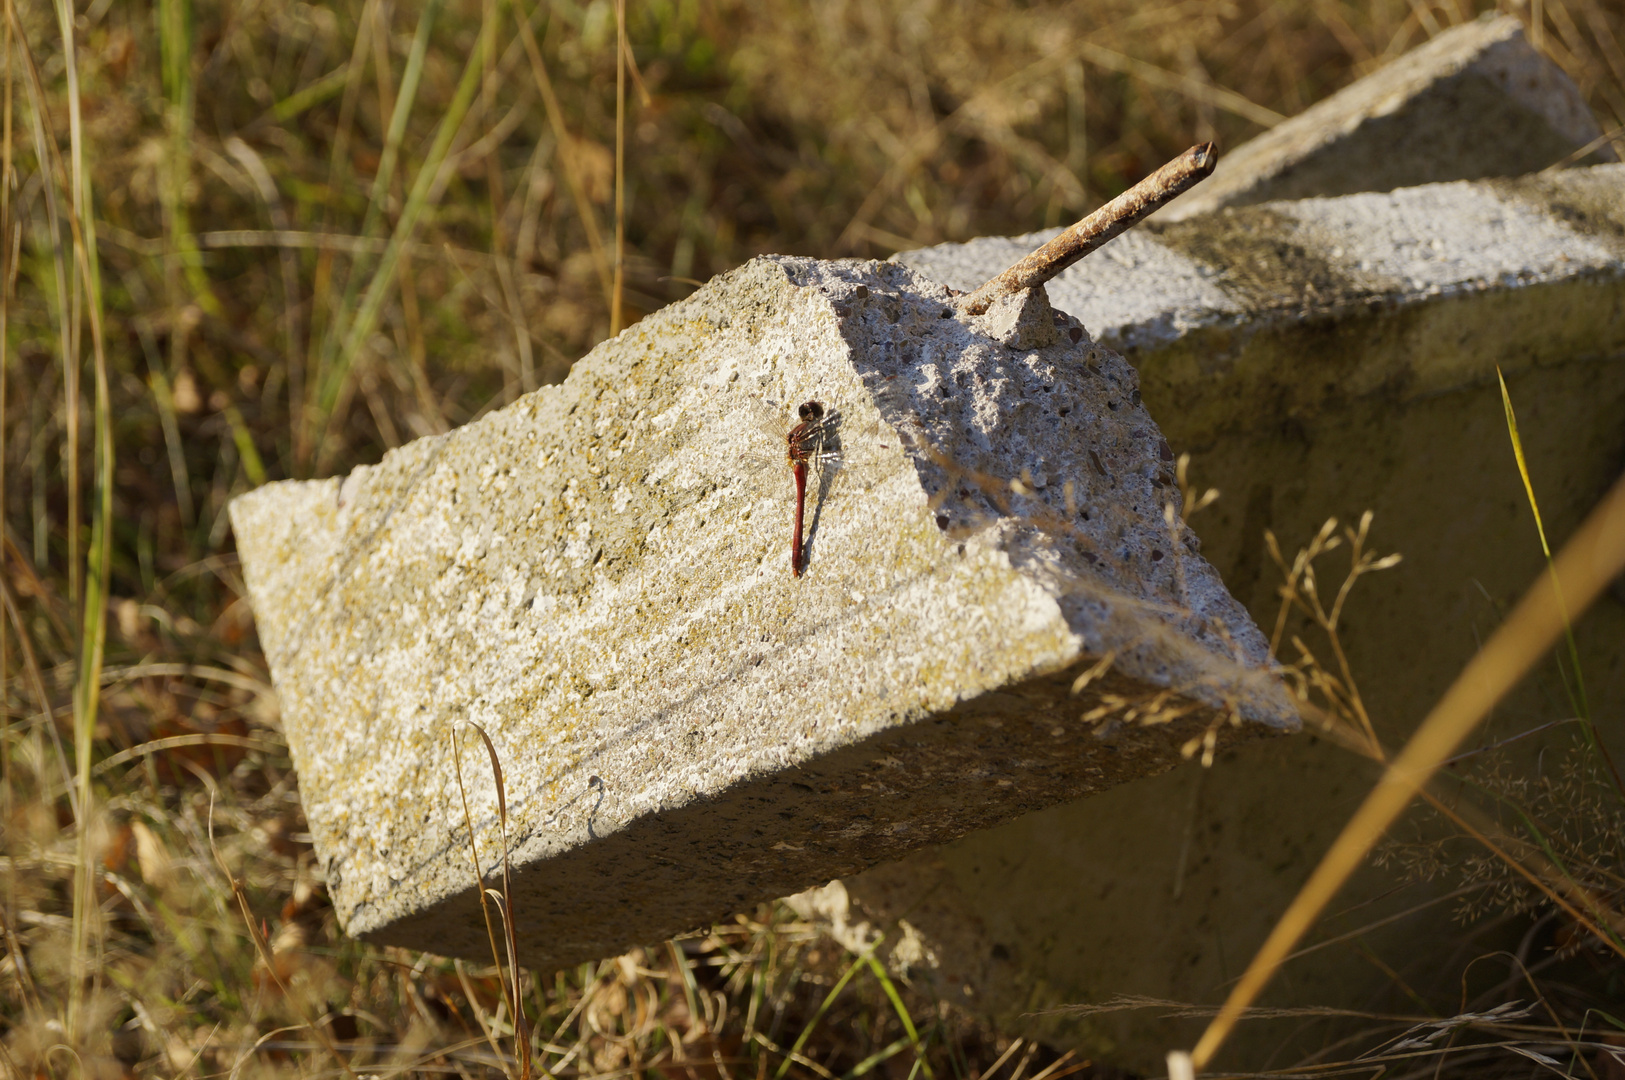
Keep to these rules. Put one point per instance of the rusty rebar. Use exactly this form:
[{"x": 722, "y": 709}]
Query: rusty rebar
[{"x": 1174, "y": 178}]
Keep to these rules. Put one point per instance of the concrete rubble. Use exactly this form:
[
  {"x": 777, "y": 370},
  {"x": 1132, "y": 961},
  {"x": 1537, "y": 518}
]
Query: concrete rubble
[
  {"x": 598, "y": 576},
  {"x": 1318, "y": 357}
]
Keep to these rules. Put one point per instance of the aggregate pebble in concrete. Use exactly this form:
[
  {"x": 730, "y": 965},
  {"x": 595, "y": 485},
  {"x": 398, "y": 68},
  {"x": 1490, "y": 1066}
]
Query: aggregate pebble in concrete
[
  {"x": 1476, "y": 101},
  {"x": 598, "y": 575}
]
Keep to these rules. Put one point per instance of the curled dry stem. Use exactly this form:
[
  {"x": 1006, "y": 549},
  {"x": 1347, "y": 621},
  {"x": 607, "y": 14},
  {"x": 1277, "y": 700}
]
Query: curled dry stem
[{"x": 503, "y": 901}]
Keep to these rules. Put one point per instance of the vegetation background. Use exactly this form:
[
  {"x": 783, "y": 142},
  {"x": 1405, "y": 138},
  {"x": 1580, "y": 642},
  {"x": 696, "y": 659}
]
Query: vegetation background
[{"x": 246, "y": 240}]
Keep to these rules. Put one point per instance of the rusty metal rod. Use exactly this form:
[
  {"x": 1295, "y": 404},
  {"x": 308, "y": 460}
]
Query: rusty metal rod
[{"x": 1174, "y": 178}]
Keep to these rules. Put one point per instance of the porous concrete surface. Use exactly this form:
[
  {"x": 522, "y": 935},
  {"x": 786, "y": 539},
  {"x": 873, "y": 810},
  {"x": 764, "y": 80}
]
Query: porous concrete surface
[
  {"x": 1323, "y": 387},
  {"x": 598, "y": 576},
  {"x": 1476, "y": 101}
]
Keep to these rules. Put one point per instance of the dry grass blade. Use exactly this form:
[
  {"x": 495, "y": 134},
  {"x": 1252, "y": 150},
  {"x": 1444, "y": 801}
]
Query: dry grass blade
[
  {"x": 479, "y": 885},
  {"x": 567, "y": 156},
  {"x": 516, "y": 998},
  {"x": 36, "y": 681},
  {"x": 1152, "y": 75},
  {"x": 175, "y": 742},
  {"x": 622, "y": 49},
  {"x": 1590, "y": 560}
]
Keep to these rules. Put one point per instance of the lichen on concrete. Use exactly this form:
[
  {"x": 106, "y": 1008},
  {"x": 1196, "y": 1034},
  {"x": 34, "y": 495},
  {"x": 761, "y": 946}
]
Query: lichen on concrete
[{"x": 598, "y": 576}]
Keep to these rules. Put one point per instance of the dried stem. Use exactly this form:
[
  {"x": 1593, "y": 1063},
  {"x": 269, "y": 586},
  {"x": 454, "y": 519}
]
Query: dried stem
[{"x": 1150, "y": 194}]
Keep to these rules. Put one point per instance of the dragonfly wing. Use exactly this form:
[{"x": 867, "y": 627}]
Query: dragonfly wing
[{"x": 765, "y": 417}]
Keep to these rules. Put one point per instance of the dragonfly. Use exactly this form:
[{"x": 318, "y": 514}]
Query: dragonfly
[
  {"x": 811, "y": 442},
  {"x": 805, "y": 442}
]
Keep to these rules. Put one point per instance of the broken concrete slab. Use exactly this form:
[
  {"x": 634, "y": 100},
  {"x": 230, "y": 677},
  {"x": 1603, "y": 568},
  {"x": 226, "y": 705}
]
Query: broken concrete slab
[
  {"x": 1476, "y": 101},
  {"x": 598, "y": 576},
  {"x": 1218, "y": 292},
  {"x": 1345, "y": 359}
]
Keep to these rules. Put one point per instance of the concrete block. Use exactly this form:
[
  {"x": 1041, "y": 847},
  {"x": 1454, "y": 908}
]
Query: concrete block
[
  {"x": 598, "y": 576},
  {"x": 1318, "y": 358},
  {"x": 1292, "y": 263},
  {"x": 1474, "y": 102}
]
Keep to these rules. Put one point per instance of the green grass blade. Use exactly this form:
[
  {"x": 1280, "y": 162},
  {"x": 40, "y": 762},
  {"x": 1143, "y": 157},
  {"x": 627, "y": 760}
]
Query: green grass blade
[
  {"x": 405, "y": 98},
  {"x": 416, "y": 203},
  {"x": 823, "y": 1007},
  {"x": 877, "y": 1058},
  {"x": 175, "y": 53},
  {"x": 1577, "y": 690},
  {"x": 896, "y": 1000},
  {"x": 400, "y": 114},
  {"x": 327, "y": 87},
  {"x": 244, "y": 438}
]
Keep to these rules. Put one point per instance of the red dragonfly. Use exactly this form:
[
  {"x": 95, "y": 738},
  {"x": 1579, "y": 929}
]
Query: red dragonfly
[
  {"x": 810, "y": 443},
  {"x": 806, "y": 443}
]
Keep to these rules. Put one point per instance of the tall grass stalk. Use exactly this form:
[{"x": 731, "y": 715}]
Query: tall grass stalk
[
  {"x": 183, "y": 262},
  {"x": 1574, "y": 686},
  {"x": 92, "y": 629},
  {"x": 45, "y": 154},
  {"x": 616, "y": 297},
  {"x": 8, "y": 258}
]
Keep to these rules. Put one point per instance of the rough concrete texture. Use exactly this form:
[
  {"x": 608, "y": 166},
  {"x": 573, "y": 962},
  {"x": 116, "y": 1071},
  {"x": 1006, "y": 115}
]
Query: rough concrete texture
[
  {"x": 598, "y": 576},
  {"x": 1348, "y": 363},
  {"x": 1476, "y": 101}
]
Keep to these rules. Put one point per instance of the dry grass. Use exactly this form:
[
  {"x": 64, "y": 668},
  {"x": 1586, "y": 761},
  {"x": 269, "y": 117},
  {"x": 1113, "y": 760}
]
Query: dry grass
[{"x": 320, "y": 231}]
